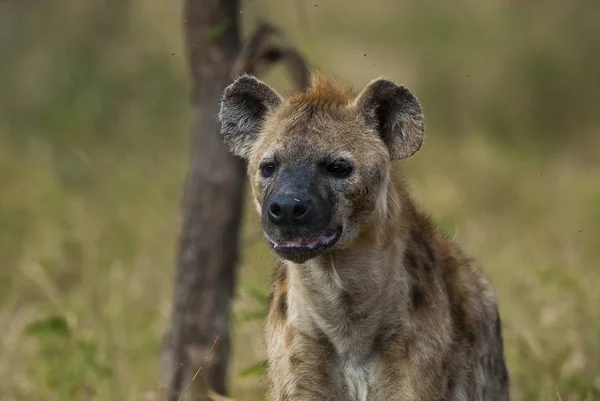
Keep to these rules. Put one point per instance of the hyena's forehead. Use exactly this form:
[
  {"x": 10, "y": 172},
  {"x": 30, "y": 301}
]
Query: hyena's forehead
[
  {"x": 301, "y": 150},
  {"x": 318, "y": 135}
]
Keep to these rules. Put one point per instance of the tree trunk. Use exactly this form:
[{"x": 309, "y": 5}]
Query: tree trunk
[{"x": 212, "y": 211}]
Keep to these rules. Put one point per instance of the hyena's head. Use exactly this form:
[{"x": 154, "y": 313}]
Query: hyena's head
[{"x": 319, "y": 160}]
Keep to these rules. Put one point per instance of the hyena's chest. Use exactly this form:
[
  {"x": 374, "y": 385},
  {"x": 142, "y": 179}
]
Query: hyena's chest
[
  {"x": 356, "y": 376},
  {"x": 357, "y": 379}
]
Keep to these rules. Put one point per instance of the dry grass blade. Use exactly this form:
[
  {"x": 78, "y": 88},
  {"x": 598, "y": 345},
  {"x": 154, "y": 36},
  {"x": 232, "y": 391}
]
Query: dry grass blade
[{"x": 199, "y": 369}]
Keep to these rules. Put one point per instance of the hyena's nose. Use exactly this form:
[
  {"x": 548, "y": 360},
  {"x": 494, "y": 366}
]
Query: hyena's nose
[{"x": 288, "y": 209}]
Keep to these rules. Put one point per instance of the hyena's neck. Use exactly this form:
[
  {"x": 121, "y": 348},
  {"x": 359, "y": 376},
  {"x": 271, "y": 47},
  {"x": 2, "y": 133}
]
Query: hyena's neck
[{"x": 352, "y": 295}]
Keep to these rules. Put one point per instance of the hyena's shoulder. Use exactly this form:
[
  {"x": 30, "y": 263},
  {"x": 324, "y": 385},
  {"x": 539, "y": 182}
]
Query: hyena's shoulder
[
  {"x": 448, "y": 282},
  {"x": 442, "y": 269}
]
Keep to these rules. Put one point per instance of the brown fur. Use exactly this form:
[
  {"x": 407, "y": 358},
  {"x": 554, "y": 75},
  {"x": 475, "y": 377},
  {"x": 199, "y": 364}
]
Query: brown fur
[{"x": 395, "y": 310}]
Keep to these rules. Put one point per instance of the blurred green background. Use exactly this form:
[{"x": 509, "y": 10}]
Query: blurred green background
[{"x": 94, "y": 146}]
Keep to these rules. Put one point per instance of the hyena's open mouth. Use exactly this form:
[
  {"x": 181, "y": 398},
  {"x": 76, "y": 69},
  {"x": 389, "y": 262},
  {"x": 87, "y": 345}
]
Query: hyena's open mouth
[{"x": 299, "y": 250}]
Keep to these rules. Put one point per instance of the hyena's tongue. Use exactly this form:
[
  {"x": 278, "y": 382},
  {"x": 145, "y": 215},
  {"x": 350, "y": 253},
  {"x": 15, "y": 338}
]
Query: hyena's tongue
[{"x": 309, "y": 243}]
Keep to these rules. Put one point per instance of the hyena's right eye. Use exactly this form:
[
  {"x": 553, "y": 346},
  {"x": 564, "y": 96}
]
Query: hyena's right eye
[
  {"x": 339, "y": 168},
  {"x": 267, "y": 169}
]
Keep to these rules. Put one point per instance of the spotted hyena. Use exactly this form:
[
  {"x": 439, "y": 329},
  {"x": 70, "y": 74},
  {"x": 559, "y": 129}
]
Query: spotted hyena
[{"x": 370, "y": 300}]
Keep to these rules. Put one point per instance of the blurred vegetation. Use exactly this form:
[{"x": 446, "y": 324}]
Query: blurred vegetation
[{"x": 94, "y": 134}]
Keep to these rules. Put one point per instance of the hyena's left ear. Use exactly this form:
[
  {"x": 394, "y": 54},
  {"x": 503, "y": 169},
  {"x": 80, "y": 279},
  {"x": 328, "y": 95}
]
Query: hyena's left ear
[
  {"x": 395, "y": 113},
  {"x": 244, "y": 107}
]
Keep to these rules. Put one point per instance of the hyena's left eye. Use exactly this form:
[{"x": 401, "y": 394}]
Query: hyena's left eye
[
  {"x": 340, "y": 168},
  {"x": 267, "y": 169}
]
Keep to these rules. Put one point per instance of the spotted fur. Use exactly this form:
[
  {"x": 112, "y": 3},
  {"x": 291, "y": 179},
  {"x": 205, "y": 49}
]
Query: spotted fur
[{"x": 395, "y": 310}]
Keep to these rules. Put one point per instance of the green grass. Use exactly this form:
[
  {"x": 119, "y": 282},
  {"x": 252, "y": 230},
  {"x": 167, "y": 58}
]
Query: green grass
[{"x": 94, "y": 146}]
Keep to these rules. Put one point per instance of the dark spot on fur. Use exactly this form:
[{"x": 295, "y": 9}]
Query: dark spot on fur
[
  {"x": 421, "y": 242},
  {"x": 411, "y": 259},
  {"x": 347, "y": 300},
  {"x": 295, "y": 361},
  {"x": 460, "y": 324},
  {"x": 378, "y": 344},
  {"x": 353, "y": 314},
  {"x": 418, "y": 298},
  {"x": 278, "y": 292},
  {"x": 471, "y": 337},
  {"x": 282, "y": 303},
  {"x": 318, "y": 337},
  {"x": 382, "y": 342},
  {"x": 323, "y": 341},
  {"x": 451, "y": 385}
]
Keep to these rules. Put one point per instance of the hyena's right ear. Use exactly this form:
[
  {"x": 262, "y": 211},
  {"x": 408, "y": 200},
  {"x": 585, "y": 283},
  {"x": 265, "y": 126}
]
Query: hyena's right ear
[{"x": 244, "y": 107}]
